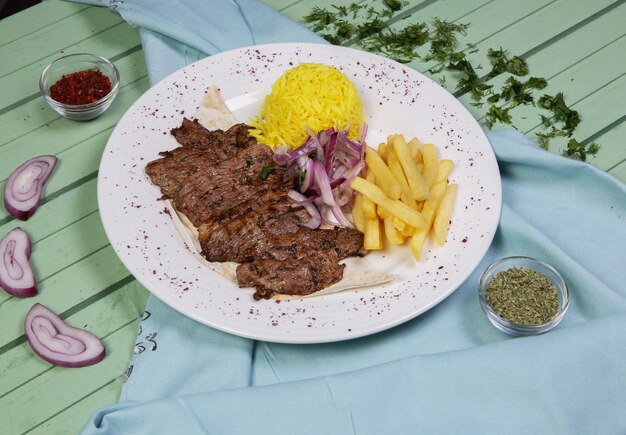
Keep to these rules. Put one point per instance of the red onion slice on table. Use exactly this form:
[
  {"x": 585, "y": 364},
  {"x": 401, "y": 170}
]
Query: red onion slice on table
[
  {"x": 59, "y": 343},
  {"x": 16, "y": 274},
  {"x": 24, "y": 187}
]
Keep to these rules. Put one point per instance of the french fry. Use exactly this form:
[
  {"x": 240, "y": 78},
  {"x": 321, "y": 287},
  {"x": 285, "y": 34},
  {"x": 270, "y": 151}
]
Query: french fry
[
  {"x": 418, "y": 185},
  {"x": 417, "y": 243},
  {"x": 382, "y": 151},
  {"x": 394, "y": 165},
  {"x": 357, "y": 213},
  {"x": 430, "y": 156},
  {"x": 394, "y": 206},
  {"x": 431, "y": 205},
  {"x": 368, "y": 206},
  {"x": 414, "y": 146},
  {"x": 428, "y": 210},
  {"x": 372, "y": 237},
  {"x": 398, "y": 224},
  {"x": 408, "y": 231},
  {"x": 393, "y": 235},
  {"x": 383, "y": 175},
  {"x": 382, "y": 212},
  {"x": 442, "y": 218},
  {"x": 444, "y": 168},
  {"x": 391, "y": 138}
]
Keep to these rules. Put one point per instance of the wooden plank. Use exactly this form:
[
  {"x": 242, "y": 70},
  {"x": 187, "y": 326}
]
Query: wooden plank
[
  {"x": 23, "y": 83},
  {"x": 611, "y": 157},
  {"x": 20, "y": 364},
  {"x": 79, "y": 282},
  {"x": 599, "y": 108},
  {"x": 577, "y": 82},
  {"x": 572, "y": 49},
  {"x": 73, "y": 418},
  {"x": 34, "y": 113},
  {"x": 62, "y": 35},
  {"x": 67, "y": 209},
  {"x": 619, "y": 171},
  {"x": 39, "y": 16},
  {"x": 525, "y": 34},
  {"x": 59, "y": 388},
  {"x": 480, "y": 18}
]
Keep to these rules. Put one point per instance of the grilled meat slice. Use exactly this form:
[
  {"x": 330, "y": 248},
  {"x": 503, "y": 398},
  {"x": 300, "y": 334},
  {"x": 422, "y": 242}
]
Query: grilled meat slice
[
  {"x": 290, "y": 277},
  {"x": 239, "y": 239},
  {"x": 211, "y": 192},
  {"x": 201, "y": 149},
  {"x": 307, "y": 243},
  {"x": 224, "y": 143},
  {"x": 169, "y": 172}
]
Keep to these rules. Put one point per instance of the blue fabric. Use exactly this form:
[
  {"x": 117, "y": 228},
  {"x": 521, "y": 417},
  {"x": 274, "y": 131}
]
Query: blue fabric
[{"x": 447, "y": 371}]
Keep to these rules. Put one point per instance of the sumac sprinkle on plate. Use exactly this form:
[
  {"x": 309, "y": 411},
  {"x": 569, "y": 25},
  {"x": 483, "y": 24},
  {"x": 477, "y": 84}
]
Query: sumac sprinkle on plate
[{"x": 82, "y": 87}]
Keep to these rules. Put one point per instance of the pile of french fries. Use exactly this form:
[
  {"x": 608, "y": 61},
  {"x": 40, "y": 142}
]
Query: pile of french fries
[{"x": 405, "y": 195}]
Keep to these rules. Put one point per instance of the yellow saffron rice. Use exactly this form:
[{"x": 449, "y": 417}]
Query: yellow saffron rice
[{"x": 310, "y": 95}]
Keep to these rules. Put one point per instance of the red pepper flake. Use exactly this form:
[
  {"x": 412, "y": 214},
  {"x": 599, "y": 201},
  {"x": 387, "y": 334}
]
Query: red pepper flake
[{"x": 82, "y": 87}]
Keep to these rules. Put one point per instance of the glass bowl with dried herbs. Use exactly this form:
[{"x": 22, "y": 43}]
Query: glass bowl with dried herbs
[{"x": 523, "y": 296}]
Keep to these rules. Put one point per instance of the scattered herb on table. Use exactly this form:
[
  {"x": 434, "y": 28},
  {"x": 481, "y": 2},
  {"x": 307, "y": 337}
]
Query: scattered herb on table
[
  {"x": 375, "y": 30},
  {"x": 523, "y": 296}
]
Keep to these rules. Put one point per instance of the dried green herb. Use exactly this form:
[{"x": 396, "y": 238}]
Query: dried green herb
[
  {"x": 469, "y": 81},
  {"x": 560, "y": 111},
  {"x": 399, "y": 45},
  {"x": 579, "y": 151},
  {"x": 266, "y": 171},
  {"x": 394, "y": 5},
  {"x": 523, "y": 296},
  {"x": 497, "y": 114},
  {"x": 320, "y": 18},
  {"x": 500, "y": 63},
  {"x": 513, "y": 93}
]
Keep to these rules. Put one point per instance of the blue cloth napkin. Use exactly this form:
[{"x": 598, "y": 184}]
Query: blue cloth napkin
[{"x": 447, "y": 371}]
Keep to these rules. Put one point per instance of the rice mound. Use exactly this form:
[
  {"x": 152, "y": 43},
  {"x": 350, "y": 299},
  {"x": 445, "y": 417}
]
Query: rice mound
[{"x": 310, "y": 95}]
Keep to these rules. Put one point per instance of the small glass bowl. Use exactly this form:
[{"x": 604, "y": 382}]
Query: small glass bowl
[
  {"x": 74, "y": 63},
  {"x": 513, "y": 328}
]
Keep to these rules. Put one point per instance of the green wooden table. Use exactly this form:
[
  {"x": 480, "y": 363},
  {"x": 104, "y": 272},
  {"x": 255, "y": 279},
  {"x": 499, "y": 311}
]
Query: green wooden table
[{"x": 578, "y": 45}]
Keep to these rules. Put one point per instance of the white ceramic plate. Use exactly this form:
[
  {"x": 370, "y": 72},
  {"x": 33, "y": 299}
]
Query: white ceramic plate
[{"x": 396, "y": 99}]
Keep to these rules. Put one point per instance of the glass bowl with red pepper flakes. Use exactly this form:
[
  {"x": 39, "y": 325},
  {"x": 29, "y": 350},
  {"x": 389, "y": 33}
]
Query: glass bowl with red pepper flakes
[
  {"x": 80, "y": 86},
  {"x": 523, "y": 296}
]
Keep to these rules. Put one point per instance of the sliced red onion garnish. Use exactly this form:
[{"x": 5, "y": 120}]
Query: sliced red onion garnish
[
  {"x": 307, "y": 173},
  {"x": 341, "y": 218},
  {"x": 16, "y": 275},
  {"x": 316, "y": 218},
  {"x": 324, "y": 165},
  {"x": 59, "y": 343},
  {"x": 318, "y": 144},
  {"x": 323, "y": 184},
  {"x": 330, "y": 153},
  {"x": 24, "y": 187}
]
